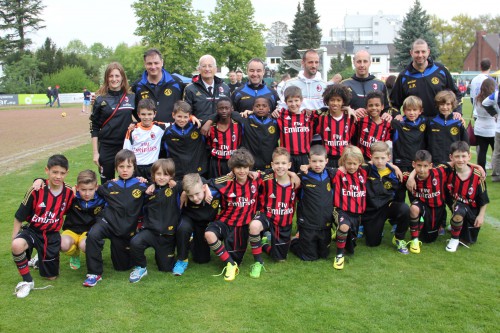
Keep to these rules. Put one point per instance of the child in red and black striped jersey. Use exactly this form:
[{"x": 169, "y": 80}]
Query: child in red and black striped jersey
[
  {"x": 296, "y": 128},
  {"x": 468, "y": 191},
  {"x": 238, "y": 196},
  {"x": 372, "y": 128},
  {"x": 44, "y": 210},
  {"x": 224, "y": 137},
  {"x": 349, "y": 186},
  {"x": 276, "y": 208},
  {"x": 335, "y": 127}
]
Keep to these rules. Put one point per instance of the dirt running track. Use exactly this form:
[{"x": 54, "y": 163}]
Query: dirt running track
[{"x": 32, "y": 135}]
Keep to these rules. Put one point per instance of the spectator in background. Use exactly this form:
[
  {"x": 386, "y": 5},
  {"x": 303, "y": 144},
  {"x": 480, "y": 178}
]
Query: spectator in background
[
  {"x": 477, "y": 81},
  {"x": 55, "y": 95},
  {"x": 279, "y": 89},
  {"x": 485, "y": 124},
  {"x": 389, "y": 84},
  {"x": 337, "y": 78},
  {"x": 49, "y": 96},
  {"x": 233, "y": 82},
  {"x": 86, "y": 101},
  {"x": 239, "y": 77}
]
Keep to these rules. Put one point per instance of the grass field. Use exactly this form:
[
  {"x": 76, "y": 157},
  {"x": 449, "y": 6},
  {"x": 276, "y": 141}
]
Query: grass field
[{"x": 378, "y": 291}]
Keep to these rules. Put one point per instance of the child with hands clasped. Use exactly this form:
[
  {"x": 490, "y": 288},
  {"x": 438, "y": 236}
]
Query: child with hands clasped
[{"x": 161, "y": 217}]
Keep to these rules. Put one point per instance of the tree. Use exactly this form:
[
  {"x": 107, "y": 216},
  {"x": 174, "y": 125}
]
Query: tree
[
  {"x": 172, "y": 26},
  {"x": 71, "y": 79},
  {"x": 277, "y": 33},
  {"x": 305, "y": 33},
  {"x": 416, "y": 24},
  {"x": 336, "y": 65},
  {"x": 131, "y": 59},
  {"x": 50, "y": 58},
  {"x": 17, "y": 20},
  {"x": 232, "y": 35},
  {"x": 22, "y": 76},
  {"x": 77, "y": 47}
]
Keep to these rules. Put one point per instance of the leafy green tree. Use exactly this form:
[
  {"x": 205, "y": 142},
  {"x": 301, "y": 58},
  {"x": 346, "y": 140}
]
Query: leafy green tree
[
  {"x": 131, "y": 58},
  {"x": 17, "y": 20},
  {"x": 489, "y": 23},
  {"x": 172, "y": 26},
  {"x": 77, "y": 47},
  {"x": 232, "y": 35},
  {"x": 305, "y": 33},
  {"x": 336, "y": 65},
  {"x": 22, "y": 76},
  {"x": 416, "y": 24},
  {"x": 72, "y": 79},
  {"x": 50, "y": 58}
]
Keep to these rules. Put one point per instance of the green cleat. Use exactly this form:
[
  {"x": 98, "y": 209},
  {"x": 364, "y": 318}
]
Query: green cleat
[
  {"x": 256, "y": 269},
  {"x": 74, "y": 262},
  {"x": 401, "y": 245},
  {"x": 415, "y": 245}
]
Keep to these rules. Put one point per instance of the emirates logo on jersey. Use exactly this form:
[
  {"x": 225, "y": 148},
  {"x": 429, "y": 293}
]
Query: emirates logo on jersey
[
  {"x": 374, "y": 86},
  {"x": 319, "y": 88}
]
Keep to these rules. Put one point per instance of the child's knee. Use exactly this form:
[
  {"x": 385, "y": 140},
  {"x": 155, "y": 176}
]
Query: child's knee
[
  {"x": 83, "y": 245},
  {"x": 457, "y": 218},
  {"x": 19, "y": 245},
  {"x": 66, "y": 243},
  {"x": 255, "y": 227},
  {"x": 210, "y": 237},
  {"x": 414, "y": 211},
  {"x": 344, "y": 228}
]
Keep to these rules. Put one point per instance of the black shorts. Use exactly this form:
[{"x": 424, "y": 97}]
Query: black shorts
[
  {"x": 280, "y": 237},
  {"x": 235, "y": 238},
  {"x": 469, "y": 233},
  {"x": 312, "y": 244},
  {"x": 144, "y": 171},
  {"x": 297, "y": 161},
  {"x": 48, "y": 245},
  {"x": 333, "y": 161},
  {"x": 352, "y": 220},
  {"x": 432, "y": 220},
  {"x": 217, "y": 167}
]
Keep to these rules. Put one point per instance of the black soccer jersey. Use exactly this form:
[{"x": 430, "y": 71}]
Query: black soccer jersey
[
  {"x": 187, "y": 147},
  {"x": 162, "y": 209},
  {"x": 124, "y": 200},
  {"x": 82, "y": 214},
  {"x": 441, "y": 133},
  {"x": 380, "y": 188},
  {"x": 315, "y": 206},
  {"x": 43, "y": 210},
  {"x": 408, "y": 137}
]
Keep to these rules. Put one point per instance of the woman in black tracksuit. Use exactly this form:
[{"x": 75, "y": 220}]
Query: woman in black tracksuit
[{"x": 110, "y": 118}]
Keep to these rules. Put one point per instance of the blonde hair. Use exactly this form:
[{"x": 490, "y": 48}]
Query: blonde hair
[
  {"x": 351, "y": 152},
  {"x": 412, "y": 102},
  {"x": 190, "y": 180},
  {"x": 380, "y": 147},
  {"x": 281, "y": 151}
]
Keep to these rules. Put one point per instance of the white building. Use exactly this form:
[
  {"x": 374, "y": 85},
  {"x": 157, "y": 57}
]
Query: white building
[{"x": 367, "y": 29}]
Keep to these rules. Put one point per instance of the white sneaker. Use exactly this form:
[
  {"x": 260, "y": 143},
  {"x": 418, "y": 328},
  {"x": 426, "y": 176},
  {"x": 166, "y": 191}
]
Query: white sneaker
[
  {"x": 452, "y": 245},
  {"x": 23, "y": 288},
  {"x": 33, "y": 262}
]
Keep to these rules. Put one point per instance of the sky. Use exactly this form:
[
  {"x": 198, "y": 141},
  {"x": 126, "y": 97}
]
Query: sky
[{"x": 111, "y": 22}]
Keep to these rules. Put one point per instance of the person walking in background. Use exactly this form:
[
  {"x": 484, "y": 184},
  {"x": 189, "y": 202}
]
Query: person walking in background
[
  {"x": 55, "y": 95},
  {"x": 86, "y": 101},
  {"x": 49, "y": 95}
]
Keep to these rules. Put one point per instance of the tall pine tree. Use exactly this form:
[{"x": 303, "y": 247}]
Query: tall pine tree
[
  {"x": 416, "y": 24},
  {"x": 17, "y": 20},
  {"x": 305, "y": 33}
]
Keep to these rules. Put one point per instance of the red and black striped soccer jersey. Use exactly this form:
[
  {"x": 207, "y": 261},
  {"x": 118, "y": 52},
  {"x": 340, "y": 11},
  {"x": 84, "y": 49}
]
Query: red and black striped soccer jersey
[
  {"x": 238, "y": 201},
  {"x": 296, "y": 131},
  {"x": 335, "y": 134},
  {"x": 471, "y": 191},
  {"x": 223, "y": 143},
  {"x": 277, "y": 201},
  {"x": 350, "y": 191},
  {"x": 432, "y": 190},
  {"x": 369, "y": 132},
  {"x": 43, "y": 210}
]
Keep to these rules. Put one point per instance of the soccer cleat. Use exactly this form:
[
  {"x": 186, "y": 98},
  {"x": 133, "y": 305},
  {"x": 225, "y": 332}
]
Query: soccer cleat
[
  {"x": 231, "y": 271},
  {"x": 74, "y": 262},
  {"x": 180, "y": 267},
  {"x": 415, "y": 245},
  {"x": 339, "y": 262},
  {"x": 266, "y": 238},
  {"x": 256, "y": 269},
  {"x": 137, "y": 274},
  {"x": 23, "y": 288},
  {"x": 361, "y": 231},
  {"x": 401, "y": 245},
  {"x": 33, "y": 262},
  {"x": 91, "y": 280},
  {"x": 452, "y": 245}
]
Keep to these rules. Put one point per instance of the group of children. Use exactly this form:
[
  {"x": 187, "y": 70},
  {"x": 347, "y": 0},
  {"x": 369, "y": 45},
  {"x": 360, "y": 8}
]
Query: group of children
[{"x": 345, "y": 182}]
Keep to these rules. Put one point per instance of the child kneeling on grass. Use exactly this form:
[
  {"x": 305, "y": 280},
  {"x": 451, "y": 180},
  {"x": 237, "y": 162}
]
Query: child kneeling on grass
[{"x": 161, "y": 217}]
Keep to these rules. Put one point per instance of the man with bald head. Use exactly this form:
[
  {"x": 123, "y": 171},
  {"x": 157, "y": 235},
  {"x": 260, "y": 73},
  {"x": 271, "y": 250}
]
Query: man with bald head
[
  {"x": 423, "y": 77},
  {"x": 206, "y": 89},
  {"x": 362, "y": 83}
]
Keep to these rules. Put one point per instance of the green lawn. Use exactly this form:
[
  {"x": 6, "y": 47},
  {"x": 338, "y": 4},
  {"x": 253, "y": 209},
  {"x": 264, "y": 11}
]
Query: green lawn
[{"x": 378, "y": 291}]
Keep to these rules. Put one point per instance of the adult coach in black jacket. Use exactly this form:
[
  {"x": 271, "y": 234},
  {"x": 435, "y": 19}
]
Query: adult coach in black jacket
[
  {"x": 206, "y": 89},
  {"x": 159, "y": 85},
  {"x": 362, "y": 82},
  {"x": 423, "y": 78}
]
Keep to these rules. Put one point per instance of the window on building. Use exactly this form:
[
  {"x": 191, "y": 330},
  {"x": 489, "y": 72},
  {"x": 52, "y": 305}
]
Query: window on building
[{"x": 375, "y": 60}]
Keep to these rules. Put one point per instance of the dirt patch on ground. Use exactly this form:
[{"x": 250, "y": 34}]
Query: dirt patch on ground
[{"x": 30, "y": 135}]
